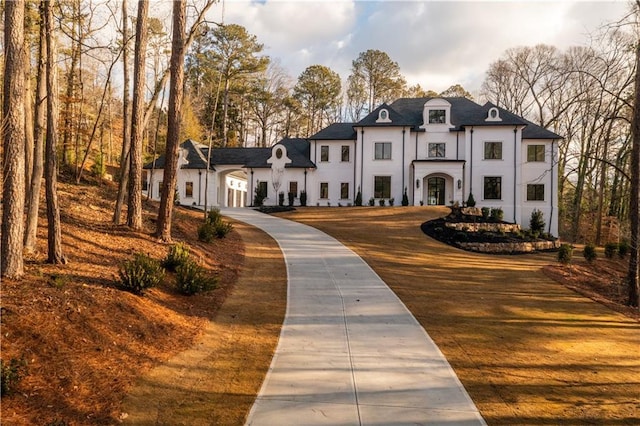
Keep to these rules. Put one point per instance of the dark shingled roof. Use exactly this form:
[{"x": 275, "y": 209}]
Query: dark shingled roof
[
  {"x": 397, "y": 118},
  {"x": 336, "y": 131},
  {"x": 297, "y": 150}
]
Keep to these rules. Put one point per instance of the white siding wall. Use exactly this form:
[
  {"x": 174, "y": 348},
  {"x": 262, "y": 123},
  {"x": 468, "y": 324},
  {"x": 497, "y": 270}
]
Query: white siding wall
[
  {"x": 540, "y": 173},
  {"x": 334, "y": 172}
]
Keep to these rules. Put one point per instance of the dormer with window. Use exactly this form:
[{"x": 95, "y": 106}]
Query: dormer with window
[
  {"x": 493, "y": 115},
  {"x": 436, "y": 113},
  {"x": 383, "y": 116}
]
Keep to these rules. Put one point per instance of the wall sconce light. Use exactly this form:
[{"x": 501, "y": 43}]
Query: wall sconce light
[
  {"x": 459, "y": 184},
  {"x": 417, "y": 183}
]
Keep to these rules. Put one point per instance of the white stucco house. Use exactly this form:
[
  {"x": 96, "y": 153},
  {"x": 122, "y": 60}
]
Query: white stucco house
[{"x": 438, "y": 150}]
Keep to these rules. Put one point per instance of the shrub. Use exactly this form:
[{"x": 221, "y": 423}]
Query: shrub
[
  {"x": 391, "y": 201},
  {"x": 192, "y": 278},
  {"x": 11, "y": 374},
  {"x": 405, "y": 198},
  {"x": 258, "y": 197},
  {"x": 486, "y": 211},
  {"x": 589, "y": 252},
  {"x": 281, "y": 199},
  {"x": 461, "y": 237},
  {"x": 565, "y": 253},
  {"x": 292, "y": 197},
  {"x": 176, "y": 255},
  {"x": 623, "y": 248},
  {"x": 358, "y": 201},
  {"x": 223, "y": 228},
  {"x": 497, "y": 214},
  {"x": 610, "y": 250},
  {"x": 140, "y": 273},
  {"x": 214, "y": 226},
  {"x": 303, "y": 198},
  {"x": 471, "y": 202},
  {"x": 372, "y": 202},
  {"x": 536, "y": 222},
  {"x": 206, "y": 232},
  {"x": 381, "y": 202}
]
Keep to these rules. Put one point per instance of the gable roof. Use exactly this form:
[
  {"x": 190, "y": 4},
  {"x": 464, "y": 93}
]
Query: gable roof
[{"x": 396, "y": 118}]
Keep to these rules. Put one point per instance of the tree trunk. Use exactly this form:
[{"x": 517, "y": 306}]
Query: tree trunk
[
  {"x": 13, "y": 188},
  {"x": 38, "y": 132},
  {"x": 126, "y": 139},
  {"x": 134, "y": 212},
  {"x": 176, "y": 93},
  {"x": 28, "y": 119},
  {"x": 54, "y": 229},
  {"x": 634, "y": 208}
]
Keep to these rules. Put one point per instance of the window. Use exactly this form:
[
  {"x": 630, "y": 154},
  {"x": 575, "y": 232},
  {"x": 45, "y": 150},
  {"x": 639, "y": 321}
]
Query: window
[
  {"x": 436, "y": 150},
  {"x": 344, "y": 190},
  {"x": 145, "y": 182},
  {"x": 382, "y": 187},
  {"x": 324, "y": 153},
  {"x": 188, "y": 189},
  {"x": 293, "y": 188},
  {"x": 324, "y": 190},
  {"x": 492, "y": 188},
  {"x": 535, "y": 153},
  {"x": 262, "y": 189},
  {"x": 160, "y": 189},
  {"x": 383, "y": 151},
  {"x": 493, "y": 150},
  {"x": 535, "y": 192},
  {"x": 437, "y": 116},
  {"x": 345, "y": 153}
]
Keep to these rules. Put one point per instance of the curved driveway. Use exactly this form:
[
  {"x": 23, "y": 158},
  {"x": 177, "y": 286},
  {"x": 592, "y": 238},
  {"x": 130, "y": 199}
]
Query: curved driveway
[{"x": 350, "y": 353}]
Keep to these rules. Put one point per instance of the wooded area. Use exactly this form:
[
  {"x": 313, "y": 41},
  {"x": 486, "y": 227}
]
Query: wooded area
[{"x": 67, "y": 109}]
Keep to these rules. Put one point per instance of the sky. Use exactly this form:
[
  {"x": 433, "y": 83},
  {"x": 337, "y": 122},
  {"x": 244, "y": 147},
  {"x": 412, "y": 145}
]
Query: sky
[{"x": 436, "y": 43}]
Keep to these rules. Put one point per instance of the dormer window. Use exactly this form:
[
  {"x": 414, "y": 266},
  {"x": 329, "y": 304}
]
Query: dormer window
[
  {"x": 493, "y": 115},
  {"x": 383, "y": 116},
  {"x": 437, "y": 116}
]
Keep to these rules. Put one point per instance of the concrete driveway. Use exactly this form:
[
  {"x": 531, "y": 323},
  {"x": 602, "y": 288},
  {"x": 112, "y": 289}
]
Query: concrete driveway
[{"x": 350, "y": 353}]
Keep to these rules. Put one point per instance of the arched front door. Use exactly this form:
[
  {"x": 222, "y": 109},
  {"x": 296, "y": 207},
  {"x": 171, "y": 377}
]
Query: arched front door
[{"x": 435, "y": 191}]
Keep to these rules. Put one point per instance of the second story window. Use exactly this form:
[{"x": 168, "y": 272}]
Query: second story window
[
  {"x": 324, "y": 153},
  {"x": 493, "y": 150},
  {"x": 383, "y": 151},
  {"x": 436, "y": 150},
  {"x": 437, "y": 116},
  {"x": 535, "y": 153},
  {"x": 345, "y": 153}
]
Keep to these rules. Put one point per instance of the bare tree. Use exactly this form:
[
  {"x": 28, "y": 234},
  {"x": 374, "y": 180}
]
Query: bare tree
[
  {"x": 634, "y": 208},
  {"x": 126, "y": 137},
  {"x": 134, "y": 212},
  {"x": 13, "y": 132},
  {"x": 38, "y": 132},
  {"x": 176, "y": 93},
  {"x": 54, "y": 228}
]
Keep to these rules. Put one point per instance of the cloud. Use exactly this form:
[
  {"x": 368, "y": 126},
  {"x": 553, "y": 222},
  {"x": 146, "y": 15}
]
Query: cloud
[{"x": 436, "y": 43}]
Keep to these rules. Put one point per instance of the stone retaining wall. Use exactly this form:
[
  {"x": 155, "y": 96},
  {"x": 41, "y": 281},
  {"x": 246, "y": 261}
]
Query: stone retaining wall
[
  {"x": 524, "y": 247},
  {"x": 488, "y": 227}
]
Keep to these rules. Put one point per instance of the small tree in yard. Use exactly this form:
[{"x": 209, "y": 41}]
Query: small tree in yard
[
  {"x": 405, "y": 198},
  {"x": 589, "y": 252},
  {"x": 471, "y": 202},
  {"x": 536, "y": 223},
  {"x": 358, "y": 201},
  {"x": 565, "y": 253}
]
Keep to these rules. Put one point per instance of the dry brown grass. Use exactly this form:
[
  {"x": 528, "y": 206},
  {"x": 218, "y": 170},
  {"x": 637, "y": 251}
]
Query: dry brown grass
[{"x": 527, "y": 349}]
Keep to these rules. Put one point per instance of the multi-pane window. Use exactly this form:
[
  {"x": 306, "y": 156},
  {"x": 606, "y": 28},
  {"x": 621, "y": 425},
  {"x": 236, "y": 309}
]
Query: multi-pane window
[
  {"x": 383, "y": 151},
  {"x": 492, "y": 188},
  {"x": 535, "y": 153},
  {"x": 382, "y": 187},
  {"x": 293, "y": 188},
  {"x": 344, "y": 190},
  {"x": 493, "y": 150},
  {"x": 436, "y": 150},
  {"x": 345, "y": 153},
  {"x": 437, "y": 116},
  {"x": 535, "y": 192},
  {"x": 324, "y": 153},
  {"x": 324, "y": 190}
]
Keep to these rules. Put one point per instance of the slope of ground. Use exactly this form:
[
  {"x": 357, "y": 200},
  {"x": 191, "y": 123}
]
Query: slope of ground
[
  {"x": 85, "y": 343},
  {"x": 527, "y": 349}
]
